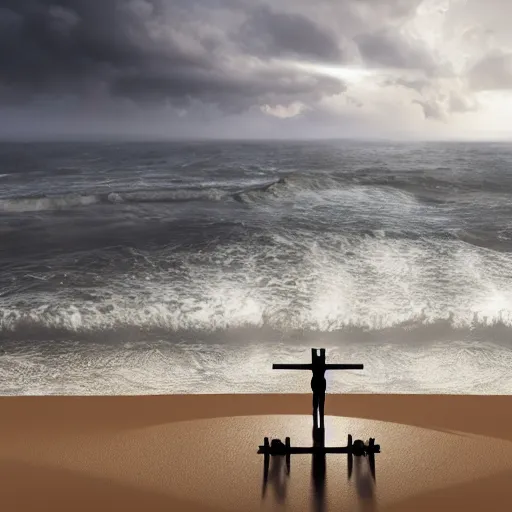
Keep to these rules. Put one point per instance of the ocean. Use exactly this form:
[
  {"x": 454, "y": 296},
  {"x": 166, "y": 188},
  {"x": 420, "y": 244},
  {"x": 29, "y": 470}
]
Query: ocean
[{"x": 191, "y": 267}]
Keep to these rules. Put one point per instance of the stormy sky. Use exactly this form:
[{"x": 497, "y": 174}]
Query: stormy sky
[{"x": 256, "y": 68}]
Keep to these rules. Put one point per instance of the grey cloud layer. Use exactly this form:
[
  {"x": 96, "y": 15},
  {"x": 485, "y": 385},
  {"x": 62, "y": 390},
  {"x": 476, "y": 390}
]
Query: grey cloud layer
[
  {"x": 269, "y": 33},
  {"x": 153, "y": 50},
  {"x": 221, "y": 52},
  {"x": 228, "y": 53}
]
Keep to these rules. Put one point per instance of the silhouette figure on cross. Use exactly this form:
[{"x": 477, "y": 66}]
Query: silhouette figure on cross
[
  {"x": 318, "y": 382},
  {"x": 318, "y": 386}
]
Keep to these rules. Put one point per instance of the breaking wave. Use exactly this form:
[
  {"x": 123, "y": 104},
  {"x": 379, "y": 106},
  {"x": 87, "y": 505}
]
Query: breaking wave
[
  {"x": 285, "y": 282},
  {"x": 172, "y": 195},
  {"x": 36, "y": 204},
  {"x": 288, "y": 187},
  {"x": 104, "y": 322}
]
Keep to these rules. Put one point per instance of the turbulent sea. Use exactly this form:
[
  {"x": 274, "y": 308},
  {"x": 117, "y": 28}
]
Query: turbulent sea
[{"x": 144, "y": 268}]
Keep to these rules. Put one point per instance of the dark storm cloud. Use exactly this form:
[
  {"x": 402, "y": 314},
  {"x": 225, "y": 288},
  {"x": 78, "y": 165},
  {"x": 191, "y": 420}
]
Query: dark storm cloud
[
  {"x": 386, "y": 48},
  {"x": 153, "y": 50},
  {"x": 56, "y": 45},
  {"x": 232, "y": 93},
  {"x": 221, "y": 52},
  {"x": 270, "y": 33}
]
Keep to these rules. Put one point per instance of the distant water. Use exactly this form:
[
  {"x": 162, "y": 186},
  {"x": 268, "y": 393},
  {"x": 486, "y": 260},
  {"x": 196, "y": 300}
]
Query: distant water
[{"x": 192, "y": 267}]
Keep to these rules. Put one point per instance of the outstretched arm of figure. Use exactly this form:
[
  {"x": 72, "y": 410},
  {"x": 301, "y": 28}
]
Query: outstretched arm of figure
[{"x": 292, "y": 366}]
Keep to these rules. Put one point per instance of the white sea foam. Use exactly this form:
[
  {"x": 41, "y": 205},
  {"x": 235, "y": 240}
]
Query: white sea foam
[
  {"x": 47, "y": 203},
  {"x": 162, "y": 367},
  {"x": 337, "y": 283}
]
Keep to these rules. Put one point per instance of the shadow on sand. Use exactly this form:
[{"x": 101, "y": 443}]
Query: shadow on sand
[
  {"x": 277, "y": 473},
  {"x": 318, "y": 471},
  {"x": 277, "y": 478},
  {"x": 365, "y": 485}
]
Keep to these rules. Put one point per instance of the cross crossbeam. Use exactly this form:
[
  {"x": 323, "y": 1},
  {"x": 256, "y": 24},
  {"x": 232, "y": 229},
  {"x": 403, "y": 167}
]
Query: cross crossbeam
[{"x": 311, "y": 366}]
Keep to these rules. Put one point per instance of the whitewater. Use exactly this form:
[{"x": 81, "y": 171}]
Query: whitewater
[{"x": 136, "y": 268}]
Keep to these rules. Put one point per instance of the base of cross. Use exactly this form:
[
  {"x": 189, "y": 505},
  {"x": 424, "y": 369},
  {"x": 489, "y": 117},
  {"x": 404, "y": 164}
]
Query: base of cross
[{"x": 357, "y": 448}]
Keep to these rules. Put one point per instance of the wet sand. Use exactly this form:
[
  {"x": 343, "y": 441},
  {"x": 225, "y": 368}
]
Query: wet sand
[{"x": 198, "y": 453}]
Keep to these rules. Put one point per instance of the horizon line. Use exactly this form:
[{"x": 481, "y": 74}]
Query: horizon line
[{"x": 122, "y": 139}]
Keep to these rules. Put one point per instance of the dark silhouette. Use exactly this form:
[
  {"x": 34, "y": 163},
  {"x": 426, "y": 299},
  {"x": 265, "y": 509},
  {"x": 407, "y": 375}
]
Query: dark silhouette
[
  {"x": 353, "y": 449},
  {"x": 318, "y": 386},
  {"x": 318, "y": 382},
  {"x": 277, "y": 449},
  {"x": 318, "y": 470},
  {"x": 361, "y": 449},
  {"x": 371, "y": 462}
]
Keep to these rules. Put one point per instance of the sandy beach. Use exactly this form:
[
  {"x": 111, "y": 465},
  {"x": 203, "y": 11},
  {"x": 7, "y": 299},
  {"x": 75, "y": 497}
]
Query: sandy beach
[{"x": 198, "y": 453}]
